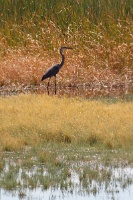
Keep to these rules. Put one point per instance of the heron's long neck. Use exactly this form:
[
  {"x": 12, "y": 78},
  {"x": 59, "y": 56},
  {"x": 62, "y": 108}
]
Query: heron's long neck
[{"x": 63, "y": 59}]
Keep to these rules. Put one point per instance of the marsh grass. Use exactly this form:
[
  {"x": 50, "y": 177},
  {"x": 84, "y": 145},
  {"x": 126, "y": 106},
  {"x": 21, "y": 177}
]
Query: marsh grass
[
  {"x": 29, "y": 120},
  {"x": 83, "y": 169},
  {"x": 60, "y": 20},
  {"x": 99, "y": 32}
]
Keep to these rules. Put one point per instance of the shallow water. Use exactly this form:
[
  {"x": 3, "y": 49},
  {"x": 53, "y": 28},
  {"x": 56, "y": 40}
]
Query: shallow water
[
  {"x": 118, "y": 187},
  {"x": 81, "y": 173},
  {"x": 50, "y": 194}
]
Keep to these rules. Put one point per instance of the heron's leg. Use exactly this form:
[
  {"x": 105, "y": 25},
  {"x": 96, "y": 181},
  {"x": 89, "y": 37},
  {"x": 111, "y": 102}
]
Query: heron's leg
[
  {"x": 48, "y": 85},
  {"x": 55, "y": 84}
]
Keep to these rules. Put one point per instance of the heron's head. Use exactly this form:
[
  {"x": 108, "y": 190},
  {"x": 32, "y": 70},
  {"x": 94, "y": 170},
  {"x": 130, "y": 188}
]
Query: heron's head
[{"x": 62, "y": 48}]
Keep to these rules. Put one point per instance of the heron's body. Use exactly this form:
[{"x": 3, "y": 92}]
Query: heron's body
[{"x": 52, "y": 71}]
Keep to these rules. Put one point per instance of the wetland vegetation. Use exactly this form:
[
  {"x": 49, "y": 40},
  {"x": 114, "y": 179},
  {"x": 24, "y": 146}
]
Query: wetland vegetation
[
  {"x": 100, "y": 33},
  {"x": 29, "y": 119},
  {"x": 69, "y": 168},
  {"x": 76, "y": 146},
  {"x": 79, "y": 142}
]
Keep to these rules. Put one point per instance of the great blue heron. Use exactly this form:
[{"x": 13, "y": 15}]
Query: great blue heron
[{"x": 52, "y": 71}]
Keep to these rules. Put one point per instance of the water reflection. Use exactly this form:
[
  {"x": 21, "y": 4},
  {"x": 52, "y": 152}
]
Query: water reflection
[
  {"x": 88, "y": 180},
  {"x": 50, "y": 194}
]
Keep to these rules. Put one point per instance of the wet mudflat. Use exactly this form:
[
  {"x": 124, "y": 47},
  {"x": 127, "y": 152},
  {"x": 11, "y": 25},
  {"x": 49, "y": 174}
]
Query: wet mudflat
[{"x": 65, "y": 171}]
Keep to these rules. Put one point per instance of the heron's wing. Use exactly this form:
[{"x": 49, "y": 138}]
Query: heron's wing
[{"x": 52, "y": 71}]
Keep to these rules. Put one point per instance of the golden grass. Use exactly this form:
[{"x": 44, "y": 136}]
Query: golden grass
[{"x": 32, "y": 119}]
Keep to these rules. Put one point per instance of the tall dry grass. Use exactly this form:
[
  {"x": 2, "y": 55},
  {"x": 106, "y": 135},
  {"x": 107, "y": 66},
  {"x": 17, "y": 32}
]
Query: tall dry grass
[
  {"x": 95, "y": 70},
  {"x": 34, "y": 119},
  {"x": 100, "y": 33}
]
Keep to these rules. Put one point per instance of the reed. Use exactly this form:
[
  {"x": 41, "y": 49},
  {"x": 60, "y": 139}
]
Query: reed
[
  {"x": 100, "y": 33},
  {"x": 71, "y": 21}
]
